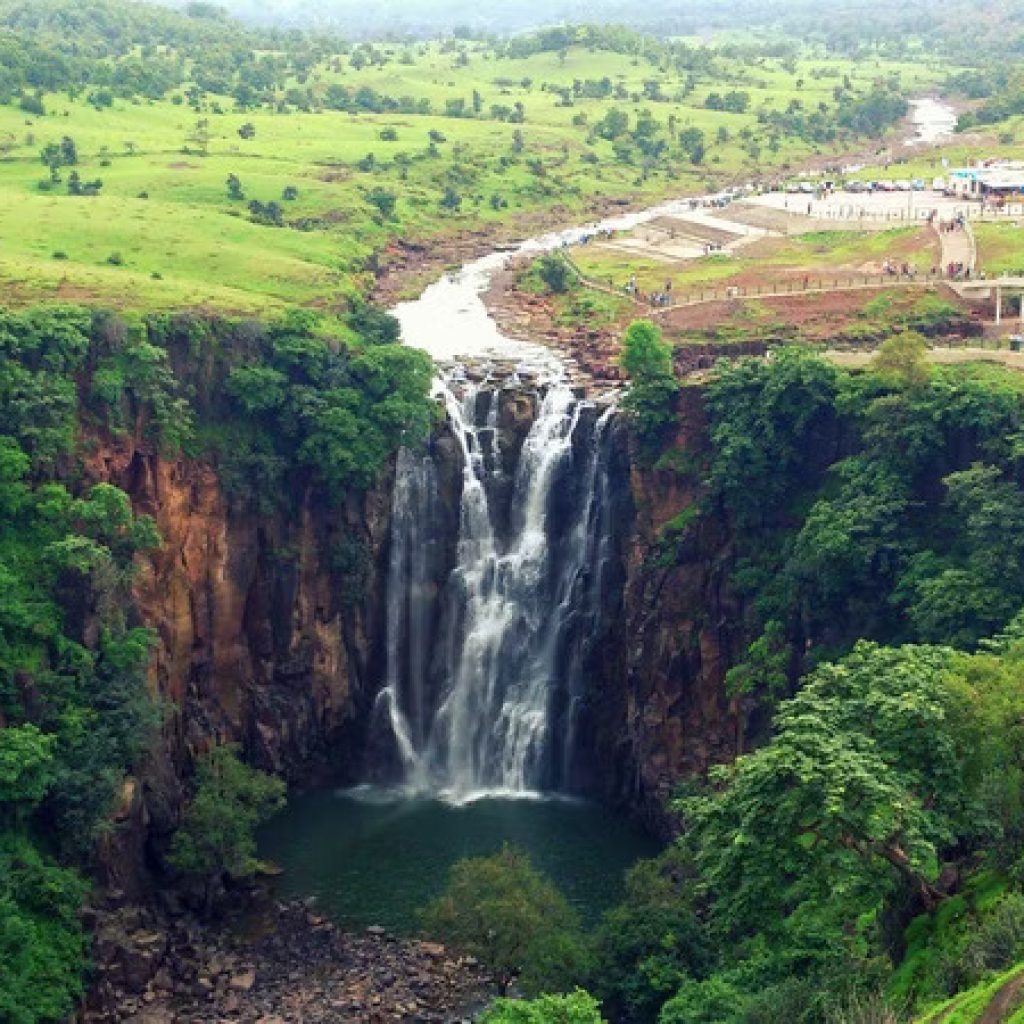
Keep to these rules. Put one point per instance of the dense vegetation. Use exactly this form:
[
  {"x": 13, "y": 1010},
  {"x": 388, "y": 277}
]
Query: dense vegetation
[
  {"x": 967, "y": 30},
  {"x": 864, "y": 861},
  {"x": 76, "y": 714},
  {"x": 164, "y": 162}
]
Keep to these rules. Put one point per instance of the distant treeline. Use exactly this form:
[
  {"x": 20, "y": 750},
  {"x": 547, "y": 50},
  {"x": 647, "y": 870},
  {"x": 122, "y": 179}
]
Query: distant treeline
[{"x": 970, "y": 31}]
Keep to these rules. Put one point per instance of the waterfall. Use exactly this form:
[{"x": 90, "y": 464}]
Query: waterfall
[{"x": 485, "y": 665}]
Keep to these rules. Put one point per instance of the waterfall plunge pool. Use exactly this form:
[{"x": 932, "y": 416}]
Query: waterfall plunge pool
[{"x": 374, "y": 856}]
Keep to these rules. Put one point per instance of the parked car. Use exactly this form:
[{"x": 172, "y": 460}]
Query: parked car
[{"x": 918, "y": 185}]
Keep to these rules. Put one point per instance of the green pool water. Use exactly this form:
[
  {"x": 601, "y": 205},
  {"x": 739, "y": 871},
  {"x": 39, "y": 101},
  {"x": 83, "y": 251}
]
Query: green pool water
[{"x": 373, "y": 857}]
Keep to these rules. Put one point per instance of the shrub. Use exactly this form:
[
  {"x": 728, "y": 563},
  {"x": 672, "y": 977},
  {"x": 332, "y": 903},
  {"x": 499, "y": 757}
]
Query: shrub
[
  {"x": 998, "y": 942},
  {"x": 217, "y": 837},
  {"x": 502, "y": 911},
  {"x": 577, "y": 1008}
]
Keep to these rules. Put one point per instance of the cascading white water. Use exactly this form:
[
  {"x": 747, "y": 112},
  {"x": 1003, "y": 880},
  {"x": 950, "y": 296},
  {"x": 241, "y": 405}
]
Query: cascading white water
[{"x": 501, "y": 658}]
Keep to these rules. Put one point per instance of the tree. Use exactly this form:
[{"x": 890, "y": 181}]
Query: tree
[
  {"x": 267, "y": 213},
  {"x": 374, "y": 326},
  {"x": 555, "y": 273},
  {"x": 68, "y": 151},
  {"x": 858, "y": 793},
  {"x": 199, "y": 137},
  {"x": 650, "y": 402},
  {"x": 650, "y": 942},
  {"x": 42, "y": 943},
  {"x": 905, "y": 357},
  {"x": 384, "y": 200},
  {"x": 247, "y": 131},
  {"x": 235, "y": 190},
  {"x": 451, "y": 200},
  {"x": 613, "y": 125},
  {"x": 217, "y": 837},
  {"x": 973, "y": 586},
  {"x": 26, "y": 768},
  {"x": 502, "y": 911}
]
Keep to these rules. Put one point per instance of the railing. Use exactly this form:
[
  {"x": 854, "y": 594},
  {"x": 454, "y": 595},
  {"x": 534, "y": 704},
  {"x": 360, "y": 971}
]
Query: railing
[{"x": 812, "y": 285}]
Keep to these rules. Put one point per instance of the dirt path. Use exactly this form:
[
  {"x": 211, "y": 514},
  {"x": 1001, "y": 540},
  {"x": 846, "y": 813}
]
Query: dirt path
[{"x": 1004, "y": 1002}]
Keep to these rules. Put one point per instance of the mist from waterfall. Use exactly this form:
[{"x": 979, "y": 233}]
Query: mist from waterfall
[{"x": 485, "y": 674}]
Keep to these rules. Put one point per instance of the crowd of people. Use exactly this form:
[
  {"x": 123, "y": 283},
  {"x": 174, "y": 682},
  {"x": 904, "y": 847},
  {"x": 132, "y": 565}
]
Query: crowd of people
[{"x": 655, "y": 298}]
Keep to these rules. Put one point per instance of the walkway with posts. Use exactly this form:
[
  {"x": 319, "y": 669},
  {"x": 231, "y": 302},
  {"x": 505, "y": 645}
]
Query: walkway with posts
[
  {"x": 958, "y": 249},
  {"x": 812, "y": 284}
]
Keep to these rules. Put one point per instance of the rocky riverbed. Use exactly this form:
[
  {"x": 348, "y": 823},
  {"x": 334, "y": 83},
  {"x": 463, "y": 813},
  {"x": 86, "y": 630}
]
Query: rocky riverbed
[{"x": 280, "y": 964}]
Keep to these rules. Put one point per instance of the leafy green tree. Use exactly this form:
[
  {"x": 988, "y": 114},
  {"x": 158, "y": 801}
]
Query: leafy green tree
[
  {"x": 860, "y": 789},
  {"x": 217, "y": 837},
  {"x": 974, "y": 586},
  {"x": 507, "y": 915},
  {"x": 42, "y": 944},
  {"x": 650, "y": 402},
  {"x": 383, "y": 200},
  {"x": 451, "y": 200},
  {"x": 905, "y": 355},
  {"x": 763, "y": 417},
  {"x": 650, "y": 942},
  {"x": 26, "y": 768},
  {"x": 373, "y": 325},
  {"x": 555, "y": 273}
]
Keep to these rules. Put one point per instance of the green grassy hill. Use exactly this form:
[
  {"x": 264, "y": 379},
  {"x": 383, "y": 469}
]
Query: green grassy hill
[{"x": 163, "y": 231}]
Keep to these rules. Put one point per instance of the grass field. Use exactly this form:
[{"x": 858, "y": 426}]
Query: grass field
[
  {"x": 1000, "y": 248},
  {"x": 164, "y": 233}
]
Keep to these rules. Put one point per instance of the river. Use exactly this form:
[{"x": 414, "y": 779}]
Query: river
[{"x": 451, "y": 322}]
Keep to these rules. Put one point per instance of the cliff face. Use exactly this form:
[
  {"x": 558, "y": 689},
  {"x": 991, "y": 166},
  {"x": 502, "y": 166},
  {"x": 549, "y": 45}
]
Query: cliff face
[
  {"x": 661, "y": 708},
  {"x": 266, "y": 635}
]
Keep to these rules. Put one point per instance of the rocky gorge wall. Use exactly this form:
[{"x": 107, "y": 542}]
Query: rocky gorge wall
[
  {"x": 260, "y": 639},
  {"x": 264, "y": 641},
  {"x": 660, "y": 710}
]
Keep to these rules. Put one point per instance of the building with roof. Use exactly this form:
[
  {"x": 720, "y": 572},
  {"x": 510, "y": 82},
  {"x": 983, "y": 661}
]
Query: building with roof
[{"x": 996, "y": 182}]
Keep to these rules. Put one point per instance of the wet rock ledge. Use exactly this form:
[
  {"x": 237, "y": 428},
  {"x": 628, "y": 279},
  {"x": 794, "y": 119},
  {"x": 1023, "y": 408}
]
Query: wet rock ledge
[{"x": 284, "y": 965}]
